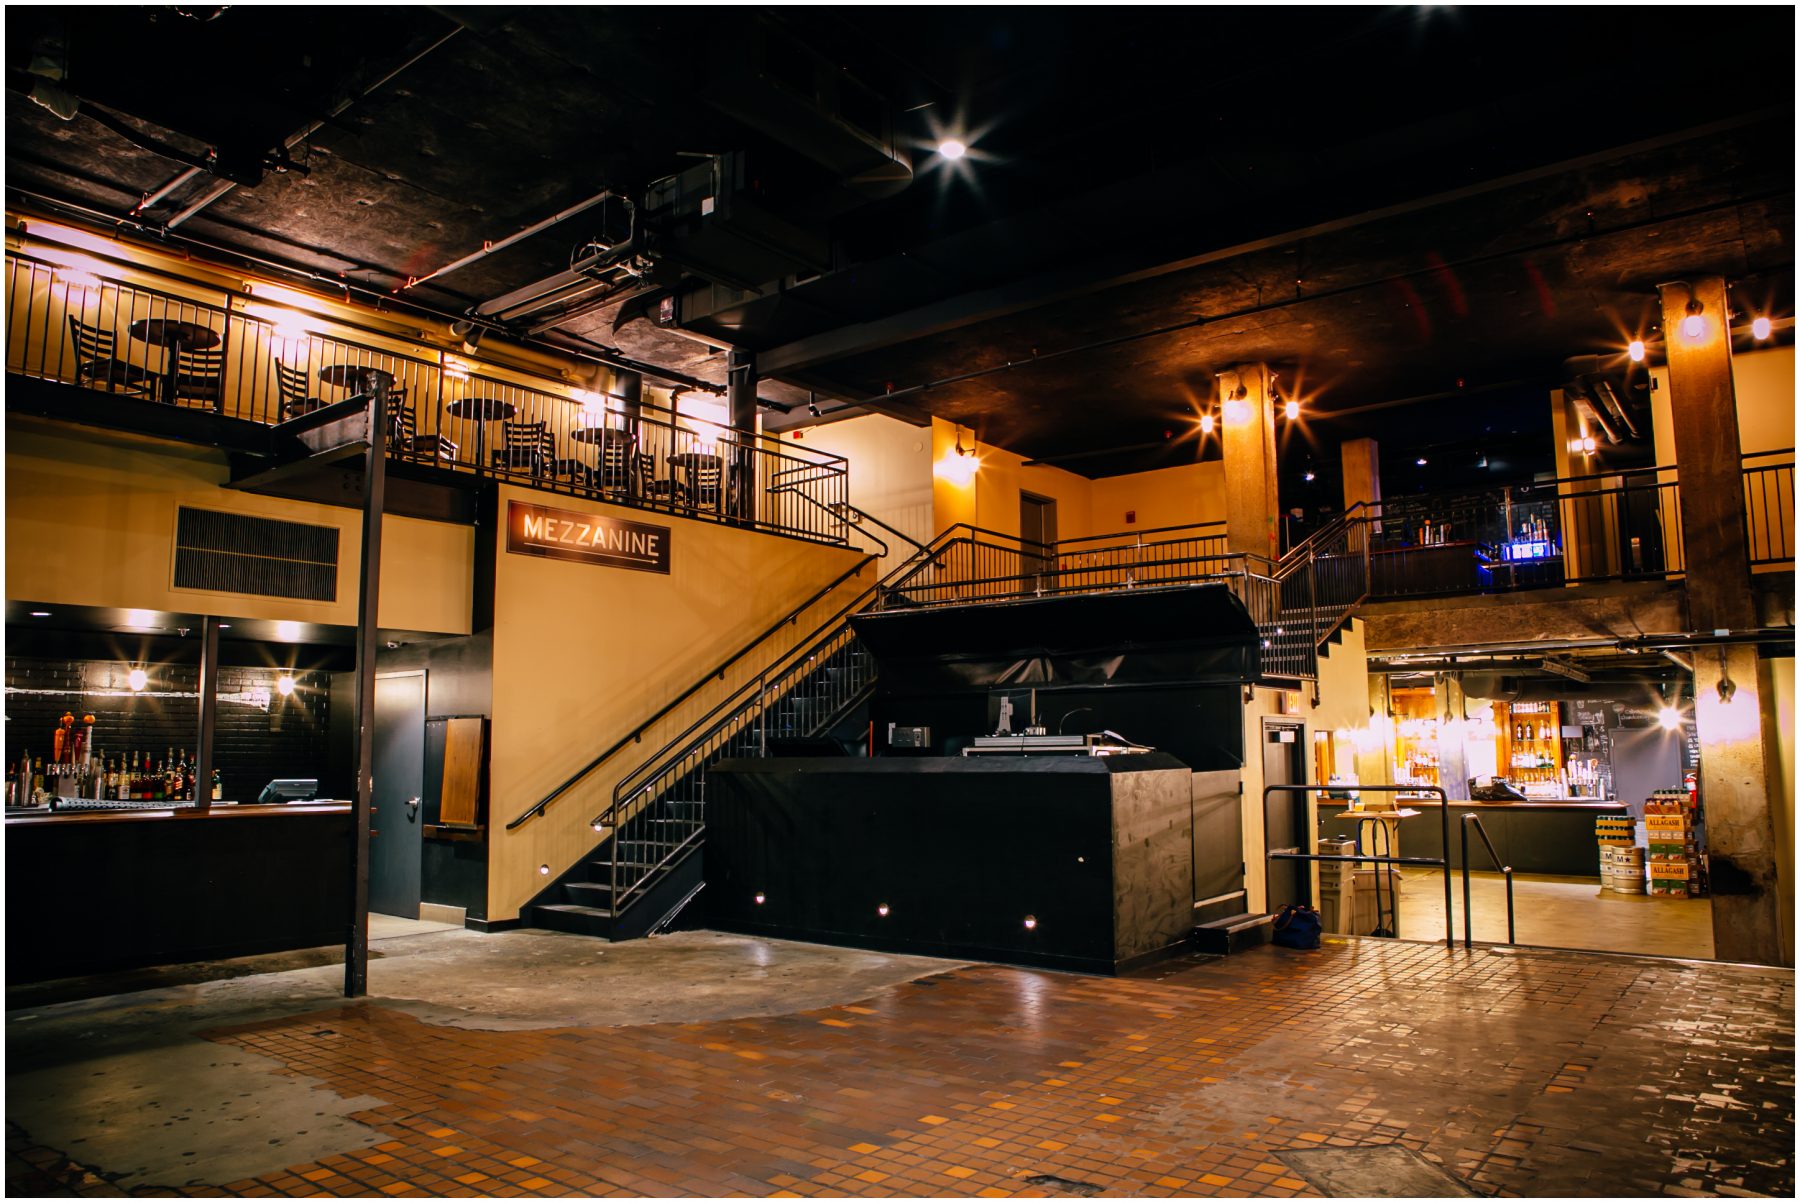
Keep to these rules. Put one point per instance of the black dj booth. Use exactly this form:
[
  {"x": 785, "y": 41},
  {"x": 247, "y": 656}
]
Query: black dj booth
[{"x": 1055, "y": 782}]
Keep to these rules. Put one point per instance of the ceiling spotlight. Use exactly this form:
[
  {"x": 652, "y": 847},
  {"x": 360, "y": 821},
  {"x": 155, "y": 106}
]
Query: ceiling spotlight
[
  {"x": 1588, "y": 444},
  {"x": 1310, "y": 477},
  {"x": 1031, "y": 923},
  {"x": 138, "y": 679},
  {"x": 1206, "y": 423},
  {"x": 1761, "y": 328},
  {"x": 952, "y": 149},
  {"x": 1635, "y": 349},
  {"x": 1693, "y": 325},
  {"x": 1668, "y": 718},
  {"x": 1421, "y": 461},
  {"x": 1292, "y": 410},
  {"x": 284, "y": 685},
  {"x": 759, "y": 899},
  {"x": 882, "y": 910}
]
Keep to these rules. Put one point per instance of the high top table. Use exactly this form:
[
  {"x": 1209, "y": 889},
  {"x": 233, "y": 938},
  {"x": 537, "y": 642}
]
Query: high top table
[
  {"x": 481, "y": 410},
  {"x": 173, "y": 337}
]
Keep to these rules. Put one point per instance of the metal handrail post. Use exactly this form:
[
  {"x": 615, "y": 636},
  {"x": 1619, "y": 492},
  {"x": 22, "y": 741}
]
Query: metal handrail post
[
  {"x": 1468, "y": 910},
  {"x": 1506, "y": 872},
  {"x": 1442, "y": 862}
]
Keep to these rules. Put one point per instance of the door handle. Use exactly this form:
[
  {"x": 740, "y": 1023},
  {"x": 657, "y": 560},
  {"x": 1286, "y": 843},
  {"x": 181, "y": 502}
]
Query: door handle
[{"x": 412, "y": 810}]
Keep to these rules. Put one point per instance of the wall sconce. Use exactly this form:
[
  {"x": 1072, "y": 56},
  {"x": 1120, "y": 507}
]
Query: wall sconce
[
  {"x": 1693, "y": 325},
  {"x": 284, "y": 685},
  {"x": 1635, "y": 349},
  {"x": 1237, "y": 407},
  {"x": 1206, "y": 423},
  {"x": 960, "y": 465},
  {"x": 138, "y": 678},
  {"x": 1727, "y": 687}
]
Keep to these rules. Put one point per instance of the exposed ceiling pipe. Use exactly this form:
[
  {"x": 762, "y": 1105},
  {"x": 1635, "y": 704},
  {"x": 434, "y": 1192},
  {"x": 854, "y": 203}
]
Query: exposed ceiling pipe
[
  {"x": 592, "y": 351},
  {"x": 154, "y": 198},
  {"x": 309, "y": 129},
  {"x": 488, "y": 248}
]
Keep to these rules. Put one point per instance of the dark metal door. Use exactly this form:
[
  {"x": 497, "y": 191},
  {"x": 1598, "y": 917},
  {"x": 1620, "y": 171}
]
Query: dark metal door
[
  {"x": 1284, "y": 812},
  {"x": 1037, "y": 535},
  {"x": 396, "y": 839}
]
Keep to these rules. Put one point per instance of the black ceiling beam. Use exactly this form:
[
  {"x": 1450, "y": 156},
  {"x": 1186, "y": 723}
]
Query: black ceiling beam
[{"x": 1113, "y": 271}]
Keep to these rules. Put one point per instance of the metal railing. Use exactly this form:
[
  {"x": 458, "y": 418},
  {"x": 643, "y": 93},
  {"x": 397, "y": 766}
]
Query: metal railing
[
  {"x": 985, "y": 565},
  {"x": 262, "y": 361},
  {"x": 1769, "y": 507},
  {"x": 1605, "y": 527},
  {"x": 1512, "y": 933},
  {"x": 1440, "y": 862}
]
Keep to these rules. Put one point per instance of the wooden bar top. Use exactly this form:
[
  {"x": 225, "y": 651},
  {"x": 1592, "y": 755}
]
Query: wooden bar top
[
  {"x": 1528, "y": 804},
  {"x": 220, "y": 810}
]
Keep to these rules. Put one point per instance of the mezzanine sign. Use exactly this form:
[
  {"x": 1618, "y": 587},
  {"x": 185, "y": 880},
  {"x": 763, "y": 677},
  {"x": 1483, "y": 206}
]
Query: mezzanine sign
[{"x": 538, "y": 530}]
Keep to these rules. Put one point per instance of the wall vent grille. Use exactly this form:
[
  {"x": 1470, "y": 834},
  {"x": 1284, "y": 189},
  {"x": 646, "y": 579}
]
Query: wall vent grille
[{"x": 235, "y": 553}]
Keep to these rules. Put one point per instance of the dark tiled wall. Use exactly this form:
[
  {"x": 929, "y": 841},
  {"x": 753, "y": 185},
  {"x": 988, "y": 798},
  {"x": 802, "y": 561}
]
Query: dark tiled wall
[{"x": 254, "y": 743}]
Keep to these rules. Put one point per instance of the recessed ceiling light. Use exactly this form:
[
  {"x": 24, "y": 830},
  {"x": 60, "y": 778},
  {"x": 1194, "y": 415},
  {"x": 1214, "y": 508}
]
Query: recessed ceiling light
[{"x": 952, "y": 149}]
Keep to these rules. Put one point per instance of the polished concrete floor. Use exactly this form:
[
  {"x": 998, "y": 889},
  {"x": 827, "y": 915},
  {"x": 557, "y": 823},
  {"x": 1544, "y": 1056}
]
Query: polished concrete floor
[
  {"x": 536, "y": 1063},
  {"x": 1559, "y": 912}
]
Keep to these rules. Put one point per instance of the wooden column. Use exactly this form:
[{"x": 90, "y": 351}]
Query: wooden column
[
  {"x": 1734, "y": 771},
  {"x": 1248, "y": 434}
]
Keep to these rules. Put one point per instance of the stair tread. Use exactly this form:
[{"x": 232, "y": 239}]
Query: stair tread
[{"x": 573, "y": 908}]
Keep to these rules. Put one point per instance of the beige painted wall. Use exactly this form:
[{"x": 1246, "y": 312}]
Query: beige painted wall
[
  {"x": 1764, "y": 383},
  {"x": 583, "y": 654},
  {"x": 90, "y": 521},
  {"x": 890, "y": 473},
  {"x": 1190, "y": 494}
]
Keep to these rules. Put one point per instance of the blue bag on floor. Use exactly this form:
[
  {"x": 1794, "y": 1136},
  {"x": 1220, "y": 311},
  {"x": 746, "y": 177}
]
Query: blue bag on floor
[{"x": 1297, "y": 926}]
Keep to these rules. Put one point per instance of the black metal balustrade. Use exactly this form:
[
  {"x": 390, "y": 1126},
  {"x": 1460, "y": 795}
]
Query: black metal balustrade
[
  {"x": 1603, "y": 527},
  {"x": 263, "y": 361},
  {"x": 1769, "y": 507}
]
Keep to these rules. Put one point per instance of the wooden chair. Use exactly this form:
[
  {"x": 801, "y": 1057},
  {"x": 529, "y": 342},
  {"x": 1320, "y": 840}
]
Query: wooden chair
[
  {"x": 614, "y": 470},
  {"x": 402, "y": 425},
  {"x": 97, "y": 366},
  {"x": 649, "y": 484},
  {"x": 200, "y": 376},
  {"x": 526, "y": 447},
  {"x": 700, "y": 486},
  {"x": 294, "y": 387}
]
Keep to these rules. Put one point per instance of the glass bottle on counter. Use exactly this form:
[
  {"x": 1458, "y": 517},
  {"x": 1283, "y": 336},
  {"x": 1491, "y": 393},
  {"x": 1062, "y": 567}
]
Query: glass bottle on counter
[{"x": 218, "y": 786}]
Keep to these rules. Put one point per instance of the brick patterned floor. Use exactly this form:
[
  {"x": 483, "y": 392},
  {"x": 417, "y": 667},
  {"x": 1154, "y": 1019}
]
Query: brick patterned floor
[{"x": 1517, "y": 1073}]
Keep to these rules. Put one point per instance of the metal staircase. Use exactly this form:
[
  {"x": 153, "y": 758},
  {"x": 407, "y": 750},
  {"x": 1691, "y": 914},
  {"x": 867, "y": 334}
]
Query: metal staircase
[{"x": 643, "y": 868}]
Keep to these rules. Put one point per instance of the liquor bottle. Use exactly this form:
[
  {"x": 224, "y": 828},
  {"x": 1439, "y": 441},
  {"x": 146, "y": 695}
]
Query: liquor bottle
[{"x": 218, "y": 786}]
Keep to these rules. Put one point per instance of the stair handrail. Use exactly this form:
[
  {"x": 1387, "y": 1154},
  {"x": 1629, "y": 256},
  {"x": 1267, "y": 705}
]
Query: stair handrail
[
  {"x": 1512, "y": 934},
  {"x": 822, "y": 633},
  {"x": 717, "y": 673}
]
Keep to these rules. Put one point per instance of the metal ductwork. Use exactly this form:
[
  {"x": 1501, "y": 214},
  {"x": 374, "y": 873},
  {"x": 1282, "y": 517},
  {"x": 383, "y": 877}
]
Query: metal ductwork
[{"x": 1596, "y": 395}]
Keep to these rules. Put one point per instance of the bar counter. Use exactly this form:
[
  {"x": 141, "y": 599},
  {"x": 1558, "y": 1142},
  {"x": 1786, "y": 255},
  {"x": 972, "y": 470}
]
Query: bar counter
[{"x": 94, "y": 891}]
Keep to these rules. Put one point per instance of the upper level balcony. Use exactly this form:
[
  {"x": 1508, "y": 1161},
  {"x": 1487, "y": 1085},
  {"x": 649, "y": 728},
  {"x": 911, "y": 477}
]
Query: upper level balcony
[{"x": 266, "y": 357}]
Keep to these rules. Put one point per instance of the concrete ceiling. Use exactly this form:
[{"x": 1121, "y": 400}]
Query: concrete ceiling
[{"x": 1389, "y": 204}]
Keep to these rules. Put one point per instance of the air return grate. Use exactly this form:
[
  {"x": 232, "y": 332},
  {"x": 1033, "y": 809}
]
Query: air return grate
[{"x": 234, "y": 553}]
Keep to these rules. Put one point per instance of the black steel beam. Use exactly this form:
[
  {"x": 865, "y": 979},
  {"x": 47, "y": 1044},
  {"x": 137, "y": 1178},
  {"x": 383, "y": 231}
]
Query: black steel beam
[
  {"x": 209, "y": 712},
  {"x": 30, "y": 396},
  {"x": 368, "y": 639}
]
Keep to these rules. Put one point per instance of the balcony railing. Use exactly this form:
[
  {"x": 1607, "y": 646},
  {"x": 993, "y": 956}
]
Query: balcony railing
[
  {"x": 1580, "y": 529},
  {"x": 1769, "y": 508},
  {"x": 267, "y": 362}
]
